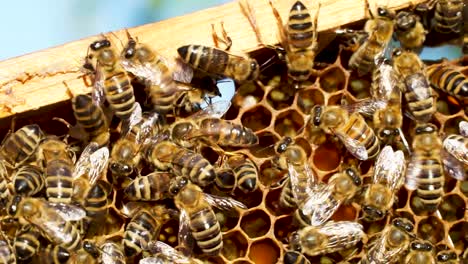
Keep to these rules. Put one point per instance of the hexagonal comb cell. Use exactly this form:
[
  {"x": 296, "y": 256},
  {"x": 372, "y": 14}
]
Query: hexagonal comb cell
[
  {"x": 464, "y": 188},
  {"x": 332, "y": 79},
  {"x": 234, "y": 245},
  {"x": 459, "y": 235},
  {"x": 264, "y": 251},
  {"x": 307, "y": 98},
  {"x": 283, "y": 228},
  {"x": 432, "y": 229},
  {"x": 288, "y": 123},
  {"x": 265, "y": 147},
  {"x": 270, "y": 175},
  {"x": 248, "y": 95},
  {"x": 251, "y": 200},
  {"x": 255, "y": 223},
  {"x": 257, "y": 118},
  {"x": 227, "y": 220},
  {"x": 345, "y": 212},
  {"x": 359, "y": 87},
  {"x": 281, "y": 95},
  {"x": 452, "y": 207},
  {"x": 448, "y": 105},
  {"x": 327, "y": 157},
  {"x": 272, "y": 203}
]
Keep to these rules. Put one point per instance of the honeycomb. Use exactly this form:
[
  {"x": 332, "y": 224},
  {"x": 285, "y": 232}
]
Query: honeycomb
[{"x": 273, "y": 110}]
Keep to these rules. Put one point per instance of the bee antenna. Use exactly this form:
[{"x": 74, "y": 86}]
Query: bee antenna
[{"x": 120, "y": 41}]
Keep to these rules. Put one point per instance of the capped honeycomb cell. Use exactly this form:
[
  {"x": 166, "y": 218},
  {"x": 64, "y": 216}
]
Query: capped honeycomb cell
[
  {"x": 327, "y": 157},
  {"x": 452, "y": 207},
  {"x": 288, "y": 123},
  {"x": 235, "y": 245},
  {"x": 255, "y": 223},
  {"x": 265, "y": 147},
  {"x": 307, "y": 98},
  {"x": 332, "y": 79},
  {"x": 264, "y": 251},
  {"x": 432, "y": 229},
  {"x": 257, "y": 118},
  {"x": 459, "y": 235}
]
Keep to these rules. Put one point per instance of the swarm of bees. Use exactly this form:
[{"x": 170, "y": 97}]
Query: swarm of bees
[{"x": 366, "y": 164}]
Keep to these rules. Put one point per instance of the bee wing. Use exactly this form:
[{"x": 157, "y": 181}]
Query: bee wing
[
  {"x": 82, "y": 166},
  {"x": 355, "y": 147},
  {"x": 339, "y": 234},
  {"x": 152, "y": 260},
  {"x": 215, "y": 110},
  {"x": 68, "y": 212},
  {"x": 98, "y": 88},
  {"x": 463, "y": 126},
  {"x": 135, "y": 118},
  {"x": 320, "y": 205},
  {"x": 146, "y": 71},
  {"x": 223, "y": 203},
  {"x": 389, "y": 168},
  {"x": 387, "y": 83},
  {"x": 456, "y": 148},
  {"x": 186, "y": 240},
  {"x": 181, "y": 71},
  {"x": 167, "y": 251},
  {"x": 413, "y": 173},
  {"x": 147, "y": 126},
  {"x": 296, "y": 186},
  {"x": 453, "y": 166},
  {"x": 418, "y": 84},
  {"x": 367, "y": 107},
  {"x": 109, "y": 258},
  {"x": 98, "y": 162}
]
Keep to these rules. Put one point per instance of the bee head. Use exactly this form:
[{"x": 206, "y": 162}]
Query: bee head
[
  {"x": 403, "y": 224},
  {"x": 291, "y": 257},
  {"x": 130, "y": 50},
  {"x": 13, "y": 208},
  {"x": 354, "y": 175},
  {"x": 317, "y": 115},
  {"x": 397, "y": 52},
  {"x": 295, "y": 242},
  {"x": 405, "y": 21},
  {"x": 100, "y": 44},
  {"x": 283, "y": 144},
  {"x": 372, "y": 214},
  {"x": 91, "y": 249},
  {"x": 177, "y": 184},
  {"x": 120, "y": 169},
  {"x": 446, "y": 255},
  {"x": 425, "y": 129},
  {"x": 384, "y": 12},
  {"x": 421, "y": 246}
]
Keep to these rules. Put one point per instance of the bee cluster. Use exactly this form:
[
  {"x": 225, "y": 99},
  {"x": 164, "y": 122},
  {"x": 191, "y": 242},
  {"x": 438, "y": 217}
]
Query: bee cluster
[{"x": 335, "y": 154}]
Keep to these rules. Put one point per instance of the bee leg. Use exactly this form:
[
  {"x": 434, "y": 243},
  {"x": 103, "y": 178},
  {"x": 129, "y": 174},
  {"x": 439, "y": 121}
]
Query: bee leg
[
  {"x": 280, "y": 25},
  {"x": 367, "y": 9},
  {"x": 248, "y": 12},
  {"x": 225, "y": 39}
]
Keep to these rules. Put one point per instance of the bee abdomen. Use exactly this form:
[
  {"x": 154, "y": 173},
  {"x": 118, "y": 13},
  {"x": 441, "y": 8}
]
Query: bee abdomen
[
  {"x": 205, "y": 58},
  {"x": 97, "y": 199},
  {"x": 448, "y": 16},
  {"x": 431, "y": 183},
  {"x": 199, "y": 169},
  {"x": 59, "y": 181},
  {"x": 141, "y": 229},
  {"x": 246, "y": 177},
  {"x": 449, "y": 80},
  {"x": 227, "y": 133},
  {"x": 119, "y": 94},
  {"x": 28, "y": 180},
  {"x": 206, "y": 231},
  {"x": 300, "y": 29},
  {"x": 152, "y": 187},
  {"x": 89, "y": 115},
  {"x": 26, "y": 243},
  {"x": 56, "y": 254},
  {"x": 21, "y": 145}
]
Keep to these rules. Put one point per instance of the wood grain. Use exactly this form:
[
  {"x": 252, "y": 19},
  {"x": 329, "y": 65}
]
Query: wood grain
[{"x": 35, "y": 80}]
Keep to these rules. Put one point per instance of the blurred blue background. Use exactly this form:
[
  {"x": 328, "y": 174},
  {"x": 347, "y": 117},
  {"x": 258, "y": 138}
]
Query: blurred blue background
[{"x": 27, "y": 25}]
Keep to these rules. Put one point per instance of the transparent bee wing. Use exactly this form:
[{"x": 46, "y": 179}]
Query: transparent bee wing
[
  {"x": 320, "y": 205},
  {"x": 68, "y": 212},
  {"x": 146, "y": 71},
  {"x": 223, "y": 203},
  {"x": 366, "y": 107},
  {"x": 98, "y": 160},
  {"x": 463, "y": 126},
  {"x": 353, "y": 146},
  {"x": 458, "y": 148},
  {"x": 152, "y": 260},
  {"x": 98, "y": 88},
  {"x": 215, "y": 110},
  {"x": 147, "y": 126},
  {"x": 300, "y": 192},
  {"x": 389, "y": 168},
  {"x": 134, "y": 119},
  {"x": 339, "y": 234},
  {"x": 413, "y": 173},
  {"x": 453, "y": 166},
  {"x": 82, "y": 165},
  {"x": 387, "y": 82},
  {"x": 108, "y": 257},
  {"x": 186, "y": 240},
  {"x": 181, "y": 71},
  {"x": 418, "y": 84},
  {"x": 168, "y": 252},
  {"x": 380, "y": 251}
]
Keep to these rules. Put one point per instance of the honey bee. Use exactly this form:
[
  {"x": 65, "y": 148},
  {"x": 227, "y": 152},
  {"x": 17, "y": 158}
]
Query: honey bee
[
  {"x": 143, "y": 227},
  {"x": 390, "y": 245},
  {"x": 420, "y": 252},
  {"x": 168, "y": 88},
  {"x": 328, "y": 238},
  {"x": 380, "y": 30},
  {"x": 164, "y": 155},
  {"x": 109, "y": 252},
  {"x": 425, "y": 170},
  {"x": 456, "y": 145},
  {"x": 301, "y": 180},
  {"x": 90, "y": 116},
  {"x": 197, "y": 217},
  {"x": 294, "y": 257},
  {"x": 299, "y": 39},
  {"x": 387, "y": 179},
  {"x": 111, "y": 79},
  {"x": 447, "y": 15},
  {"x": 7, "y": 253},
  {"x": 151, "y": 187},
  {"x": 27, "y": 242},
  {"x": 409, "y": 30},
  {"x": 447, "y": 257},
  {"x": 52, "y": 219},
  {"x": 351, "y": 129},
  {"x": 237, "y": 171},
  {"x": 325, "y": 200},
  {"x": 125, "y": 155},
  {"x": 207, "y": 125},
  {"x": 19, "y": 146},
  {"x": 28, "y": 180},
  {"x": 416, "y": 89},
  {"x": 55, "y": 154},
  {"x": 447, "y": 79},
  {"x": 53, "y": 254},
  {"x": 165, "y": 254}
]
